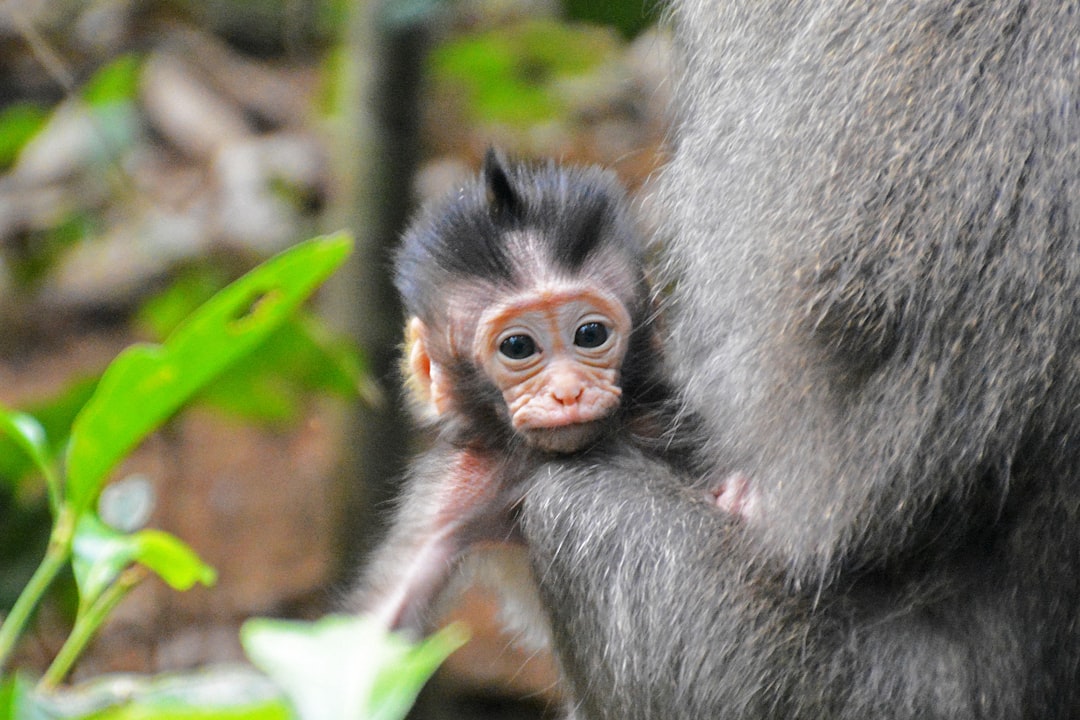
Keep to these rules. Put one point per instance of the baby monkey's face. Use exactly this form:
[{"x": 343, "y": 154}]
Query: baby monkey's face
[{"x": 555, "y": 353}]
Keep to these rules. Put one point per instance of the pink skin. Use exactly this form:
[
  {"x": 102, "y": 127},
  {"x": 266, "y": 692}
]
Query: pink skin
[
  {"x": 561, "y": 383},
  {"x": 557, "y": 395},
  {"x": 735, "y": 496}
]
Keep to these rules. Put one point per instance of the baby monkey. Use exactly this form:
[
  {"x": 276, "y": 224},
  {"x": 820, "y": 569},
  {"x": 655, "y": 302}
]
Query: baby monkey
[{"x": 530, "y": 335}]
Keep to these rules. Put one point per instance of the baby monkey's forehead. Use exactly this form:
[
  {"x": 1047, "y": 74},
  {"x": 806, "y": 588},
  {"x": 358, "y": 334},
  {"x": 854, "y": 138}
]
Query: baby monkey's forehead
[
  {"x": 558, "y": 305},
  {"x": 554, "y": 300}
]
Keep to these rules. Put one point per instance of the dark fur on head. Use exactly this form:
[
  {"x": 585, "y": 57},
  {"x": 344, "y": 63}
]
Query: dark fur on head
[{"x": 576, "y": 210}]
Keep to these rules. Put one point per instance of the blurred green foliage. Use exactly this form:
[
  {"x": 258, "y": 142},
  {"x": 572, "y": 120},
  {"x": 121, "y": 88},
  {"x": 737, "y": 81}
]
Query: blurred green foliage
[
  {"x": 111, "y": 95},
  {"x": 346, "y": 667},
  {"x": 336, "y": 668},
  {"x": 24, "y": 511},
  {"x": 115, "y": 82},
  {"x": 40, "y": 249},
  {"x": 629, "y": 17},
  {"x": 19, "y": 122},
  {"x": 220, "y": 693},
  {"x": 514, "y": 74},
  {"x": 300, "y": 359},
  {"x": 108, "y": 101},
  {"x": 139, "y": 390}
]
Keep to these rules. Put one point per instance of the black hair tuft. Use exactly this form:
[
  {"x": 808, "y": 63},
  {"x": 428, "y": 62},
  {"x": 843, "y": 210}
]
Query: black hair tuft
[
  {"x": 572, "y": 211},
  {"x": 505, "y": 203}
]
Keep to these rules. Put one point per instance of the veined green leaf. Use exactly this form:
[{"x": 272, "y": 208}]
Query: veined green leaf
[
  {"x": 146, "y": 384},
  {"x": 102, "y": 553},
  {"x": 300, "y": 358}
]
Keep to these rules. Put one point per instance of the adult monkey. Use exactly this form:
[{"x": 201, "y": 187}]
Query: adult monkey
[{"x": 876, "y": 245}]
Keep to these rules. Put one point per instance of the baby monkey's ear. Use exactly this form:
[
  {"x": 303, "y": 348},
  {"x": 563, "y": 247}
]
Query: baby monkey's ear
[{"x": 424, "y": 377}]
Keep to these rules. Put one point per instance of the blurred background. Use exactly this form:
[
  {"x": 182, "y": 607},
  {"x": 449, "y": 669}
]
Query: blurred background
[{"x": 153, "y": 150}]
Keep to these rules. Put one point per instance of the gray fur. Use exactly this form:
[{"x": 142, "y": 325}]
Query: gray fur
[{"x": 877, "y": 314}]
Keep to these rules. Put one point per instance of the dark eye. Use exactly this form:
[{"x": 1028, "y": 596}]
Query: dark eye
[
  {"x": 517, "y": 347},
  {"x": 591, "y": 335}
]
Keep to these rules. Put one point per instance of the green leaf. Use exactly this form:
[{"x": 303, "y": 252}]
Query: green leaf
[
  {"x": 299, "y": 359},
  {"x": 115, "y": 82},
  {"x": 29, "y": 436},
  {"x": 396, "y": 687},
  {"x": 303, "y": 350},
  {"x": 102, "y": 553},
  {"x": 19, "y": 122},
  {"x": 7, "y": 698},
  {"x": 146, "y": 384},
  {"x": 215, "y": 693},
  {"x": 19, "y": 702},
  {"x": 346, "y": 667},
  {"x": 55, "y": 415},
  {"x": 164, "y": 312}
]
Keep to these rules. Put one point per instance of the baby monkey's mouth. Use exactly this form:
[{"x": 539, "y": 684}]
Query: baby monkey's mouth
[{"x": 565, "y": 438}]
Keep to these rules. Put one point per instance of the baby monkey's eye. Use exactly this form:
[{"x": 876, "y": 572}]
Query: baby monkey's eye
[
  {"x": 591, "y": 335},
  {"x": 517, "y": 347}
]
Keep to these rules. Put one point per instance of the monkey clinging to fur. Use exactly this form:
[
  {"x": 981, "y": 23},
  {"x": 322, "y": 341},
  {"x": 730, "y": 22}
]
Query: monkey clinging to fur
[{"x": 530, "y": 336}]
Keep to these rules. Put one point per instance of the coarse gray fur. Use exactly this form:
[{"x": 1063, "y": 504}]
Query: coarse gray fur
[{"x": 875, "y": 245}]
